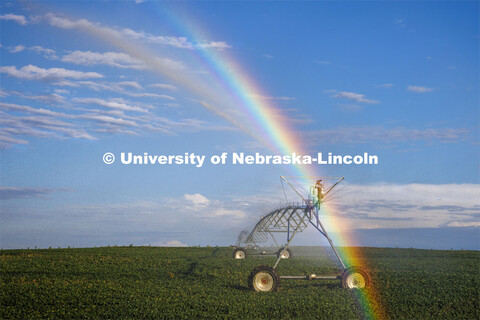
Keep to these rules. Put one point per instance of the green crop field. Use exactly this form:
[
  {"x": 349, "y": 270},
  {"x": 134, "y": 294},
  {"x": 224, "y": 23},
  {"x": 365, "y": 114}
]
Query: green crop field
[{"x": 207, "y": 283}]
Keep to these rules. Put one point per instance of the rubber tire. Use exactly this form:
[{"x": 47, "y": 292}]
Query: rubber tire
[
  {"x": 358, "y": 270},
  {"x": 288, "y": 250},
  {"x": 268, "y": 271},
  {"x": 237, "y": 250}
]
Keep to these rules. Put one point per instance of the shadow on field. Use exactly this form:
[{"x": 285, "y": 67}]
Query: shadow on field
[{"x": 191, "y": 268}]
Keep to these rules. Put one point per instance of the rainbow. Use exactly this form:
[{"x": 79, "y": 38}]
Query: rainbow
[
  {"x": 264, "y": 122},
  {"x": 284, "y": 139}
]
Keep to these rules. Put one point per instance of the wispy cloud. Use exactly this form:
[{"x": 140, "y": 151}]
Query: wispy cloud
[
  {"x": 322, "y": 62},
  {"x": 419, "y": 89},
  {"x": 115, "y": 116},
  {"x": 7, "y": 140},
  {"x": 53, "y": 98},
  {"x": 178, "y": 42},
  {"x": 464, "y": 224},
  {"x": 118, "y": 104},
  {"x": 47, "y": 53},
  {"x": 357, "y": 97},
  {"x": 365, "y": 207},
  {"x": 130, "y": 84},
  {"x": 31, "y": 72},
  {"x": 114, "y": 59},
  {"x": 13, "y": 17},
  {"x": 30, "y": 110},
  {"x": 16, "y": 49},
  {"x": 400, "y": 23},
  {"x": 428, "y": 206},
  {"x": 8, "y": 193},
  {"x": 118, "y": 87},
  {"x": 268, "y": 56},
  {"x": 205, "y": 95},
  {"x": 39, "y": 123}
]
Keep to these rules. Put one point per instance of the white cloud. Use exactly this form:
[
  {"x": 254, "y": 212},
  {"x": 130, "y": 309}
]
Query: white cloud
[
  {"x": 118, "y": 104},
  {"x": 53, "y": 98},
  {"x": 31, "y": 72},
  {"x": 149, "y": 95},
  {"x": 169, "y": 243},
  {"x": 221, "y": 45},
  {"x": 16, "y": 49},
  {"x": 205, "y": 208},
  {"x": 66, "y": 23},
  {"x": 39, "y": 122},
  {"x": 357, "y": 97},
  {"x": 322, "y": 62},
  {"x": 419, "y": 89},
  {"x": 130, "y": 84},
  {"x": 13, "y": 17},
  {"x": 7, "y": 141},
  {"x": 47, "y": 53},
  {"x": 118, "y": 87},
  {"x": 408, "y": 205},
  {"x": 213, "y": 100},
  {"x": 114, "y": 59},
  {"x": 30, "y": 110},
  {"x": 197, "y": 199},
  {"x": 353, "y": 207},
  {"x": 268, "y": 56},
  {"x": 178, "y": 42},
  {"x": 45, "y": 121},
  {"x": 46, "y": 98},
  {"x": 119, "y": 117},
  {"x": 107, "y": 119},
  {"x": 464, "y": 224}
]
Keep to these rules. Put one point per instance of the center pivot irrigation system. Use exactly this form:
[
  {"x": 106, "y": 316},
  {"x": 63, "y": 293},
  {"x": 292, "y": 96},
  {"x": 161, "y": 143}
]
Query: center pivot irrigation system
[{"x": 291, "y": 219}]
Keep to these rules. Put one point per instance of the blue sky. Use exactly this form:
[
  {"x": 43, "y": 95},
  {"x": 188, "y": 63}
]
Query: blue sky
[{"x": 395, "y": 79}]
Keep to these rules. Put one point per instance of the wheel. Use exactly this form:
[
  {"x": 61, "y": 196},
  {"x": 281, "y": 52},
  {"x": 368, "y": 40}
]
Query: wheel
[
  {"x": 286, "y": 254},
  {"x": 239, "y": 253},
  {"x": 355, "y": 278},
  {"x": 264, "y": 279}
]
